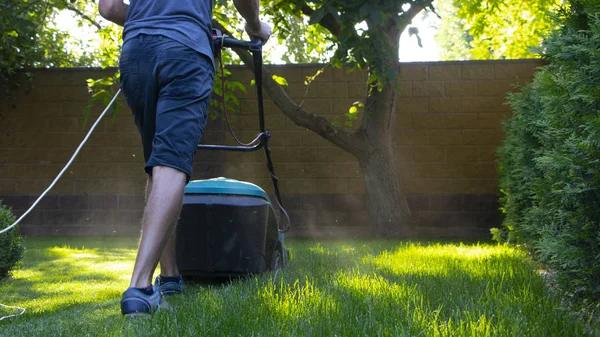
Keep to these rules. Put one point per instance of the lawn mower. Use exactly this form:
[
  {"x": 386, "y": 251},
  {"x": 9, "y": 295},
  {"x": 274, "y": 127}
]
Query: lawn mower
[{"x": 228, "y": 228}]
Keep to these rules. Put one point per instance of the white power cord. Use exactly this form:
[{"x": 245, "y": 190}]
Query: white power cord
[
  {"x": 66, "y": 166},
  {"x": 22, "y": 310}
]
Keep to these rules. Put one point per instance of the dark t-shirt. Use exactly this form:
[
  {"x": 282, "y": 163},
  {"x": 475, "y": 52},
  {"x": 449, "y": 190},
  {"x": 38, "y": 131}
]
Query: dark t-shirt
[{"x": 185, "y": 21}]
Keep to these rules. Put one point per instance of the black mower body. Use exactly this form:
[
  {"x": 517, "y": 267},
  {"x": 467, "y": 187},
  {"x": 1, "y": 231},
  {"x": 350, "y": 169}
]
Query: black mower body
[{"x": 227, "y": 228}]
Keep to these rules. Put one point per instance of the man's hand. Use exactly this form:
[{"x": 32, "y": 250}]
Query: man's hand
[
  {"x": 249, "y": 9},
  {"x": 260, "y": 31}
]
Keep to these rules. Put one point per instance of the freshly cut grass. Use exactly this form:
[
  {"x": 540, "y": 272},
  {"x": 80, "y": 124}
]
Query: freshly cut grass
[{"x": 72, "y": 287}]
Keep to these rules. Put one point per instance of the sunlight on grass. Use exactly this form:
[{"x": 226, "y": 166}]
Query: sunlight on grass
[
  {"x": 437, "y": 259},
  {"x": 73, "y": 253},
  {"x": 297, "y": 300},
  {"x": 59, "y": 277},
  {"x": 343, "y": 288}
]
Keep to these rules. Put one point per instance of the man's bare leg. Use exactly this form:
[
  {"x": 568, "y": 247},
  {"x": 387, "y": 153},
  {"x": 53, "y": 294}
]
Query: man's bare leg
[
  {"x": 165, "y": 195},
  {"x": 168, "y": 263}
]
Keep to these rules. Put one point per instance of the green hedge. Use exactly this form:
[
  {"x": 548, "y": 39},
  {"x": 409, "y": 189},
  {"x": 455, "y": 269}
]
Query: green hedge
[
  {"x": 550, "y": 158},
  {"x": 11, "y": 243}
]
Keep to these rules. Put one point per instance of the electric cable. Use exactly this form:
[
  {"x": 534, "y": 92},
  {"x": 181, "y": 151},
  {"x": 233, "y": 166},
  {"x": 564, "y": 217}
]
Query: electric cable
[
  {"x": 260, "y": 135},
  {"x": 22, "y": 310},
  {"x": 66, "y": 166}
]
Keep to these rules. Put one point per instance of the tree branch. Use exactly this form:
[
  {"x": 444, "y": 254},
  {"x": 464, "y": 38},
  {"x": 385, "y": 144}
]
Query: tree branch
[
  {"x": 84, "y": 16},
  {"x": 295, "y": 112},
  {"x": 409, "y": 15},
  {"x": 328, "y": 21}
]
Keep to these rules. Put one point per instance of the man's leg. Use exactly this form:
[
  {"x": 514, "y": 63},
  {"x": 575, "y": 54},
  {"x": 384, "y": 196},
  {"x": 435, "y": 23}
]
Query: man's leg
[
  {"x": 168, "y": 263},
  {"x": 170, "y": 134},
  {"x": 160, "y": 214}
]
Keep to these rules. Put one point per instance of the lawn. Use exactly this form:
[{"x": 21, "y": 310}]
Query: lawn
[{"x": 72, "y": 287}]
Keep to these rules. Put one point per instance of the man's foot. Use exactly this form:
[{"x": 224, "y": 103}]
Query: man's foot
[
  {"x": 169, "y": 285},
  {"x": 136, "y": 302}
]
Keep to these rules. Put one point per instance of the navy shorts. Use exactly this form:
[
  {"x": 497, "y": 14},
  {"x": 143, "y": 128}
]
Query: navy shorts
[{"x": 168, "y": 86}]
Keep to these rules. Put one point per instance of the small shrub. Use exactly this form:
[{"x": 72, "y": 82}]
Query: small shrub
[
  {"x": 550, "y": 158},
  {"x": 11, "y": 243}
]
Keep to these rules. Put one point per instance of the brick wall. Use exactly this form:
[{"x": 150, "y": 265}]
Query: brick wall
[{"x": 448, "y": 128}]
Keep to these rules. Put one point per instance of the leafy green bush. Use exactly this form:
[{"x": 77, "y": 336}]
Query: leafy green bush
[
  {"x": 11, "y": 243},
  {"x": 550, "y": 159}
]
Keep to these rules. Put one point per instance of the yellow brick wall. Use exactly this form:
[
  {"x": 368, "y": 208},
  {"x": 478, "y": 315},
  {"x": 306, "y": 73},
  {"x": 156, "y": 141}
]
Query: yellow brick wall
[{"x": 448, "y": 126}]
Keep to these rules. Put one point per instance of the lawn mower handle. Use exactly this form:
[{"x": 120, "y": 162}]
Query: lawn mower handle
[
  {"x": 221, "y": 41},
  {"x": 253, "y": 45}
]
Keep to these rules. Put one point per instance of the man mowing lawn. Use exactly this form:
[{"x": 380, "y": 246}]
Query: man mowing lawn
[{"x": 167, "y": 76}]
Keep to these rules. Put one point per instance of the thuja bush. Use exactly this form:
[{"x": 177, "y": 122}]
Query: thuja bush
[
  {"x": 550, "y": 158},
  {"x": 11, "y": 243}
]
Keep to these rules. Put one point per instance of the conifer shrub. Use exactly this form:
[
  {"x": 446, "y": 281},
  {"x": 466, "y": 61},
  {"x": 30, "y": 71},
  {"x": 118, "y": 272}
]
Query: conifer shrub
[
  {"x": 11, "y": 243},
  {"x": 550, "y": 157}
]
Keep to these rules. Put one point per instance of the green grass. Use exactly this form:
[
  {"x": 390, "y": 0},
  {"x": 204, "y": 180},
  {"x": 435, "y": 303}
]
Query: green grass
[{"x": 72, "y": 287}]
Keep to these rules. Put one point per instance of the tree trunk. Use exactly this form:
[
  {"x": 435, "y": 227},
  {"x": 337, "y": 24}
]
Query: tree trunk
[{"x": 387, "y": 204}]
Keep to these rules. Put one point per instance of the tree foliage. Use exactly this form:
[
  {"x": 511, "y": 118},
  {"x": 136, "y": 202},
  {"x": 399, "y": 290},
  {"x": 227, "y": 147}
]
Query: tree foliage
[
  {"x": 496, "y": 29},
  {"x": 30, "y": 36},
  {"x": 550, "y": 159},
  {"x": 367, "y": 46},
  {"x": 26, "y": 39}
]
